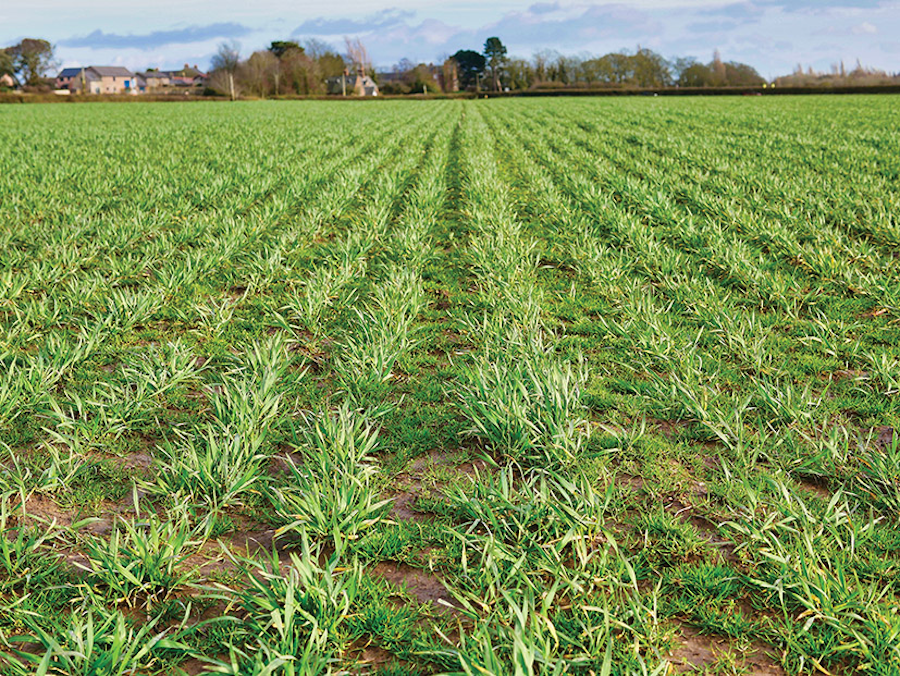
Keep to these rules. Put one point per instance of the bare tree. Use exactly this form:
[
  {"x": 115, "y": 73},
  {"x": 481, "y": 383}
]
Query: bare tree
[
  {"x": 356, "y": 51},
  {"x": 316, "y": 49},
  {"x": 302, "y": 73},
  {"x": 259, "y": 71},
  {"x": 718, "y": 69},
  {"x": 226, "y": 61}
]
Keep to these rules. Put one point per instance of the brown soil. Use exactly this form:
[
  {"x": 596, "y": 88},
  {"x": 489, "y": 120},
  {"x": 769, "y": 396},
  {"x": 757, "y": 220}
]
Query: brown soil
[
  {"x": 711, "y": 462},
  {"x": 414, "y": 482},
  {"x": 814, "y": 487},
  {"x": 433, "y": 458},
  {"x": 668, "y": 428},
  {"x": 101, "y": 526},
  {"x": 884, "y": 438},
  {"x": 248, "y": 542},
  {"x": 41, "y": 508},
  {"x": 473, "y": 467},
  {"x": 403, "y": 505},
  {"x": 631, "y": 482},
  {"x": 706, "y": 527},
  {"x": 425, "y": 587},
  {"x": 697, "y": 652},
  {"x": 194, "y": 667},
  {"x": 141, "y": 461},
  {"x": 367, "y": 657},
  {"x": 699, "y": 490},
  {"x": 279, "y": 462}
]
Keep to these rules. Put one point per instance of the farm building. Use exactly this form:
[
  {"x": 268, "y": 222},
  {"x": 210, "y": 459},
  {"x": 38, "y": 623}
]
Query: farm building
[
  {"x": 352, "y": 85},
  {"x": 65, "y": 77},
  {"x": 189, "y": 76},
  {"x": 152, "y": 81},
  {"x": 104, "y": 80}
]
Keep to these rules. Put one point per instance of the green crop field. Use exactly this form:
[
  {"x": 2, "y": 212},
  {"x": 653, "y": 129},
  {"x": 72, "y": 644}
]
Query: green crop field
[{"x": 506, "y": 387}]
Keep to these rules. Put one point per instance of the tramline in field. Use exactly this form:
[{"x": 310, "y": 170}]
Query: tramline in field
[{"x": 510, "y": 387}]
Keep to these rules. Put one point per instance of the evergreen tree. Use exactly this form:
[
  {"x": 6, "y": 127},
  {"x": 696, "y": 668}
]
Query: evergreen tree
[{"x": 495, "y": 55}]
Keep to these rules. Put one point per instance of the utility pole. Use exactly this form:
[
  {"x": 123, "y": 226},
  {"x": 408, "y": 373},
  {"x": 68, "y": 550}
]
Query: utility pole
[
  {"x": 231, "y": 83},
  {"x": 344, "y": 83}
]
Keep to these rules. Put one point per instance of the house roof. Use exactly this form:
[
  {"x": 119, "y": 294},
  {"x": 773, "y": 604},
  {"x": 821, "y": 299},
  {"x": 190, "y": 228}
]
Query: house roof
[
  {"x": 187, "y": 71},
  {"x": 69, "y": 72},
  {"x": 111, "y": 71},
  {"x": 160, "y": 75}
]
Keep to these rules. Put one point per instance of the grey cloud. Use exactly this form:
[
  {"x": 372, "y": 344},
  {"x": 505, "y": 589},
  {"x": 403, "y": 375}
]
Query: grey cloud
[
  {"x": 544, "y": 7},
  {"x": 389, "y": 18},
  {"x": 818, "y": 7},
  {"x": 391, "y": 33},
  {"x": 595, "y": 23},
  {"x": 99, "y": 40}
]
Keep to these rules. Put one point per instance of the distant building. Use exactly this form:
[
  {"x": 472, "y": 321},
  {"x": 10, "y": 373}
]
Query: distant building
[
  {"x": 410, "y": 79},
  {"x": 7, "y": 81},
  {"x": 355, "y": 85},
  {"x": 104, "y": 80},
  {"x": 153, "y": 81},
  {"x": 64, "y": 79},
  {"x": 189, "y": 76}
]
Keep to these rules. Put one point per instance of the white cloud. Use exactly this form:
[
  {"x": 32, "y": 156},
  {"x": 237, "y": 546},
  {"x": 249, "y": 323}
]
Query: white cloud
[{"x": 865, "y": 28}]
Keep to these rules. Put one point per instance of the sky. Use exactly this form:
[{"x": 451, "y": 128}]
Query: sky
[{"x": 771, "y": 35}]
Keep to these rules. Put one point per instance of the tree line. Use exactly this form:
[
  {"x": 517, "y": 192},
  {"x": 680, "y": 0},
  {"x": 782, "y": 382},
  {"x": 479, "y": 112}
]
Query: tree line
[
  {"x": 492, "y": 69},
  {"x": 285, "y": 67},
  {"x": 641, "y": 68},
  {"x": 291, "y": 68}
]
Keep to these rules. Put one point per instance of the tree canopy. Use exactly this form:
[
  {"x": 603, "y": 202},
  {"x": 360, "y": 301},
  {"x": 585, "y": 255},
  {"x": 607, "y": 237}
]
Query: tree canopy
[
  {"x": 469, "y": 64},
  {"x": 717, "y": 74},
  {"x": 495, "y": 56},
  {"x": 32, "y": 58},
  {"x": 7, "y": 67},
  {"x": 281, "y": 47}
]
